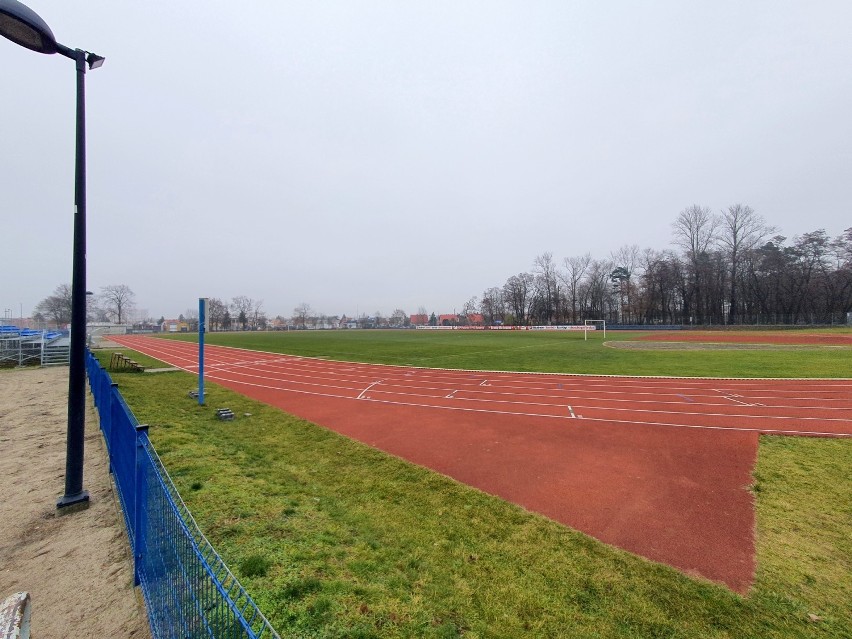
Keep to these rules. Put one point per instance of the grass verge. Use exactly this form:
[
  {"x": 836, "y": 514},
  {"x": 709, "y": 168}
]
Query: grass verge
[{"x": 335, "y": 539}]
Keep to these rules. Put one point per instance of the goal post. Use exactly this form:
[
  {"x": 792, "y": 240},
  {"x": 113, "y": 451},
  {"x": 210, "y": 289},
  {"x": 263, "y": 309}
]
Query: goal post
[{"x": 592, "y": 323}]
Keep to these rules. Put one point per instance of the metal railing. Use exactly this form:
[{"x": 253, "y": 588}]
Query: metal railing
[
  {"x": 26, "y": 346},
  {"x": 189, "y": 591}
]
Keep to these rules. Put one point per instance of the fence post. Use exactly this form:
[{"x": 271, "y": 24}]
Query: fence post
[
  {"x": 112, "y": 432},
  {"x": 140, "y": 499},
  {"x": 106, "y": 385}
]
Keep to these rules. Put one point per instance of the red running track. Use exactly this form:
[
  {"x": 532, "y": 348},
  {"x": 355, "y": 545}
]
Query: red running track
[{"x": 658, "y": 466}]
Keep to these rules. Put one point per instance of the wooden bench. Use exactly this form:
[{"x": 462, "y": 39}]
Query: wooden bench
[{"x": 121, "y": 361}]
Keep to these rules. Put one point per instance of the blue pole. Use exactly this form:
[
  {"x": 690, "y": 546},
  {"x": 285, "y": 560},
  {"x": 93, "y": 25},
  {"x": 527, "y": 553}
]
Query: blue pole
[{"x": 202, "y": 322}]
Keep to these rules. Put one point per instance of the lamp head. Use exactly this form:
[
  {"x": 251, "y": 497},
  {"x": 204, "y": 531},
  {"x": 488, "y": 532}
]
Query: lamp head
[
  {"x": 23, "y": 26},
  {"x": 94, "y": 60}
]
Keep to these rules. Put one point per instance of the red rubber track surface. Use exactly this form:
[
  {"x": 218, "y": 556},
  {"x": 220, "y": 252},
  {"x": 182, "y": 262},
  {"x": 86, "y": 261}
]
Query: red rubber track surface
[{"x": 657, "y": 466}]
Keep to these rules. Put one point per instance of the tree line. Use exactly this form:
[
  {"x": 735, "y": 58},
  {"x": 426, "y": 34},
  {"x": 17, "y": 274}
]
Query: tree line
[
  {"x": 729, "y": 267},
  {"x": 114, "y": 303},
  {"x": 725, "y": 268},
  {"x": 242, "y": 313}
]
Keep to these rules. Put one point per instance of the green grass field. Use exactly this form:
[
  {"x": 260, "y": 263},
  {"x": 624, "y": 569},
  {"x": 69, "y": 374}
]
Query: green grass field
[
  {"x": 335, "y": 539},
  {"x": 538, "y": 351}
]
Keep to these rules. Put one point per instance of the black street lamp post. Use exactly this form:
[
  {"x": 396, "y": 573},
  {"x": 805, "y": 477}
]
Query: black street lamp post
[{"x": 23, "y": 26}]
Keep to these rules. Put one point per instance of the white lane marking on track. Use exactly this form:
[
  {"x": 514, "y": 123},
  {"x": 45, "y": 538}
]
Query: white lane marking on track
[
  {"x": 631, "y": 423},
  {"x": 173, "y": 354},
  {"x": 731, "y": 398},
  {"x": 786, "y": 417},
  {"x": 571, "y": 410},
  {"x": 527, "y": 398},
  {"x": 840, "y": 383},
  {"x": 361, "y": 396},
  {"x": 452, "y": 395},
  {"x": 563, "y": 417},
  {"x": 257, "y": 362},
  {"x": 727, "y": 397},
  {"x": 593, "y": 419},
  {"x": 619, "y": 410},
  {"x": 516, "y": 375},
  {"x": 485, "y": 383}
]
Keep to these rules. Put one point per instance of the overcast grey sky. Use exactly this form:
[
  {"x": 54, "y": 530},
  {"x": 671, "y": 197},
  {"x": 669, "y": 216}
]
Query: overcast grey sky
[{"x": 364, "y": 156}]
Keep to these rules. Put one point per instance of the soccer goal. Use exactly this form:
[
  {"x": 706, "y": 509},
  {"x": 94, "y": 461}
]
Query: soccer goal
[{"x": 593, "y": 323}]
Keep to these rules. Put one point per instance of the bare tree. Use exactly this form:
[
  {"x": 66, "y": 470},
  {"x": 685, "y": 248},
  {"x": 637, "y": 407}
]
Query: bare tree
[
  {"x": 117, "y": 301},
  {"x": 845, "y": 243},
  {"x": 301, "y": 314},
  {"x": 216, "y": 311},
  {"x": 398, "y": 318},
  {"x": 695, "y": 230},
  {"x": 242, "y": 307},
  {"x": 493, "y": 307},
  {"x": 56, "y": 307},
  {"x": 471, "y": 306},
  {"x": 190, "y": 316},
  {"x": 547, "y": 285},
  {"x": 519, "y": 297},
  {"x": 95, "y": 312},
  {"x": 258, "y": 318},
  {"x": 598, "y": 290},
  {"x": 723, "y": 260},
  {"x": 741, "y": 230},
  {"x": 575, "y": 269}
]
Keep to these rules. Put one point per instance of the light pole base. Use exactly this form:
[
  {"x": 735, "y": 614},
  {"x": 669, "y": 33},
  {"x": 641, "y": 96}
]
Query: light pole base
[{"x": 68, "y": 504}]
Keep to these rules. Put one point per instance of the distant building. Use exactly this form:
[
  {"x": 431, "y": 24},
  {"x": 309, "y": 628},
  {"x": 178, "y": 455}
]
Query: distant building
[
  {"x": 448, "y": 320},
  {"x": 475, "y": 319},
  {"x": 419, "y": 320},
  {"x": 174, "y": 326},
  {"x": 278, "y": 324}
]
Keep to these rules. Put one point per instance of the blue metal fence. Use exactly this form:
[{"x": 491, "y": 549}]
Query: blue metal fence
[{"x": 189, "y": 591}]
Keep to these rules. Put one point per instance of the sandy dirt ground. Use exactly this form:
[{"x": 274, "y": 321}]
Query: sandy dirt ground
[{"x": 76, "y": 567}]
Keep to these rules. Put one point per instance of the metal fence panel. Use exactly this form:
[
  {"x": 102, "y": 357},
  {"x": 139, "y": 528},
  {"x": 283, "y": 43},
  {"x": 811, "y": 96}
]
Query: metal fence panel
[{"x": 189, "y": 591}]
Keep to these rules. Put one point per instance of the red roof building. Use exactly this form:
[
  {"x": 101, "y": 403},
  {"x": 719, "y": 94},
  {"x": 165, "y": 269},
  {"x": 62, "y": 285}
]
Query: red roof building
[{"x": 475, "y": 319}]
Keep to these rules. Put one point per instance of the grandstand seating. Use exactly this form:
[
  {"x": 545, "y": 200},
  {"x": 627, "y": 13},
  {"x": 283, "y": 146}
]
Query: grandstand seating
[{"x": 25, "y": 346}]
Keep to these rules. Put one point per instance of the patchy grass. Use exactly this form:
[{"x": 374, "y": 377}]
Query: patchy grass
[
  {"x": 804, "y": 514},
  {"x": 143, "y": 360},
  {"x": 545, "y": 351},
  {"x": 335, "y": 539}
]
